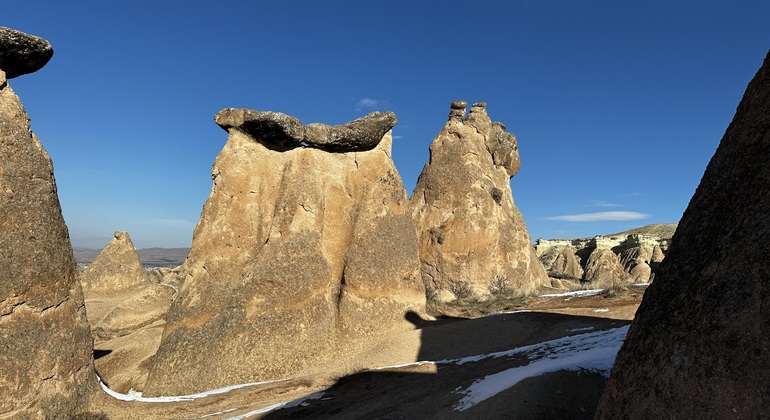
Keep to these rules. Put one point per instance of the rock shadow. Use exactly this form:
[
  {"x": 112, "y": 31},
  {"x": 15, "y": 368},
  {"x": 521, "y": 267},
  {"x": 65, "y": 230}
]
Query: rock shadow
[{"x": 430, "y": 391}]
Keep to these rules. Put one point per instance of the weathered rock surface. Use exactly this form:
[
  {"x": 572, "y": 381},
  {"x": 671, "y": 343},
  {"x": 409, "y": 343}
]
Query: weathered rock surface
[
  {"x": 116, "y": 269},
  {"x": 46, "y": 358},
  {"x": 636, "y": 262},
  {"x": 567, "y": 264},
  {"x": 699, "y": 346},
  {"x": 603, "y": 269},
  {"x": 469, "y": 228},
  {"x": 22, "y": 53},
  {"x": 300, "y": 257}
]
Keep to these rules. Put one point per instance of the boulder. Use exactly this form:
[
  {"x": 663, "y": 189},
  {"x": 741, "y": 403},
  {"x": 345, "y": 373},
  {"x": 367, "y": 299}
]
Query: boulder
[
  {"x": 302, "y": 255},
  {"x": 115, "y": 270},
  {"x": 22, "y": 53},
  {"x": 699, "y": 346},
  {"x": 470, "y": 232},
  {"x": 603, "y": 269},
  {"x": 46, "y": 353}
]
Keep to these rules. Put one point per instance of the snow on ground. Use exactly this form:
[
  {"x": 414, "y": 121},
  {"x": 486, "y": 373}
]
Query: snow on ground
[
  {"x": 594, "y": 352},
  {"x": 602, "y": 310},
  {"x": 137, "y": 396},
  {"x": 577, "y": 293}
]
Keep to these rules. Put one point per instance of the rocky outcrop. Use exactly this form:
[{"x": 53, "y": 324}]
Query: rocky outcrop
[
  {"x": 469, "y": 228},
  {"x": 699, "y": 346},
  {"x": 636, "y": 262},
  {"x": 22, "y": 53},
  {"x": 304, "y": 252},
  {"x": 46, "y": 354},
  {"x": 116, "y": 269},
  {"x": 567, "y": 264},
  {"x": 603, "y": 269}
]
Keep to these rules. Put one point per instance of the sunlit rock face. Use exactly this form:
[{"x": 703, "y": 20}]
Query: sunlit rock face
[
  {"x": 304, "y": 252},
  {"x": 699, "y": 346},
  {"x": 46, "y": 351},
  {"x": 469, "y": 228},
  {"x": 116, "y": 269}
]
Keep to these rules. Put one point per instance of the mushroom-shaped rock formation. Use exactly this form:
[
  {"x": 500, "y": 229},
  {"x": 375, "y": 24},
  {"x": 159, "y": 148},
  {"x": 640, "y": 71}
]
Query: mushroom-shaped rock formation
[
  {"x": 301, "y": 255},
  {"x": 470, "y": 231},
  {"x": 603, "y": 269},
  {"x": 22, "y": 53},
  {"x": 46, "y": 351},
  {"x": 699, "y": 346}
]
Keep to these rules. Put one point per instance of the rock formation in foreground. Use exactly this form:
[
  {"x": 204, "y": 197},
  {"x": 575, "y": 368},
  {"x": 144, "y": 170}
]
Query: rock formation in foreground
[
  {"x": 116, "y": 269},
  {"x": 470, "y": 231},
  {"x": 699, "y": 346},
  {"x": 304, "y": 253},
  {"x": 46, "y": 354}
]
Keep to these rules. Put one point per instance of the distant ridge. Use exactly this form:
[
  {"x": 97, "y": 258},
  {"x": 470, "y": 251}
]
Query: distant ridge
[
  {"x": 150, "y": 257},
  {"x": 659, "y": 230}
]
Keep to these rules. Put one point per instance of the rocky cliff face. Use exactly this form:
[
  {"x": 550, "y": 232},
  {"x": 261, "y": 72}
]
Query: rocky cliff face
[
  {"x": 304, "y": 252},
  {"x": 46, "y": 354},
  {"x": 470, "y": 231},
  {"x": 699, "y": 346},
  {"x": 116, "y": 269}
]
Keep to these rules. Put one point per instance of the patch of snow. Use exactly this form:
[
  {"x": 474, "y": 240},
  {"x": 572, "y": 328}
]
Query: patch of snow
[
  {"x": 137, "y": 396},
  {"x": 507, "y": 313},
  {"x": 577, "y": 293},
  {"x": 217, "y": 413},
  {"x": 641, "y": 284},
  {"x": 404, "y": 365},
  {"x": 295, "y": 403},
  {"x": 602, "y": 310},
  {"x": 581, "y": 329},
  {"x": 594, "y": 352},
  {"x": 168, "y": 285}
]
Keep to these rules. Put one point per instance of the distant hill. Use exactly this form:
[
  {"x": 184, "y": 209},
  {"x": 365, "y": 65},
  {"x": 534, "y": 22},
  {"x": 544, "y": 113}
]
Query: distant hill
[
  {"x": 150, "y": 257},
  {"x": 660, "y": 230}
]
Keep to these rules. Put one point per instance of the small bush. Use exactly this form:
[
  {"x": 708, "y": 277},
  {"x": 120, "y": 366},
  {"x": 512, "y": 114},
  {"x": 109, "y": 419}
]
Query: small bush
[
  {"x": 499, "y": 286},
  {"x": 616, "y": 289},
  {"x": 461, "y": 289}
]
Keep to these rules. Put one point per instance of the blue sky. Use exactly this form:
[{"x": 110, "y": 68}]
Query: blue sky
[{"x": 617, "y": 106}]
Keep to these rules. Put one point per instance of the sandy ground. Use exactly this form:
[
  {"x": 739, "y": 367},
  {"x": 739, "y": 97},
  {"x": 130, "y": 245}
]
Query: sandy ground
[{"x": 355, "y": 389}]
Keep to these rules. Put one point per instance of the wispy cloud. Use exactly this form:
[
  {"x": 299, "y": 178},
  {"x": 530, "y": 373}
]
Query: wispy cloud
[
  {"x": 602, "y": 203},
  {"x": 372, "y": 104},
  {"x": 633, "y": 194},
  {"x": 600, "y": 216}
]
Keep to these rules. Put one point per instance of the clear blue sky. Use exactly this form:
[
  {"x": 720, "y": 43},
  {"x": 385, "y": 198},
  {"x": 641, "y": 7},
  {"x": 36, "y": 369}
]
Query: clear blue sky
[{"x": 617, "y": 105}]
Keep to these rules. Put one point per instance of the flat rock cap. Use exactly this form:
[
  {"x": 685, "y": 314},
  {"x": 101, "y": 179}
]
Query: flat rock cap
[
  {"x": 286, "y": 132},
  {"x": 22, "y": 53}
]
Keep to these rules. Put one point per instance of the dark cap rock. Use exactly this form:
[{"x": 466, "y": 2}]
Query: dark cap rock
[
  {"x": 21, "y": 53},
  {"x": 286, "y": 132}
]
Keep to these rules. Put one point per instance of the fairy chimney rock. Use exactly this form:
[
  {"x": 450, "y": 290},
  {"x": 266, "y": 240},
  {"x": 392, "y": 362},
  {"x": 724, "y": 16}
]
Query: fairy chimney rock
[
  {"x": 116, "y": 269},
  {"x": 470, "y": 232},
  {"x": 46, "y": 361},
  {"x": 699, "y": 346},
  {"x": 304, "y": 252}
]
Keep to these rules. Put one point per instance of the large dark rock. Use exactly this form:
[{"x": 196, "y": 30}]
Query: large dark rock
[
  {"x": 46, "y": 365},
  {"x": 22, "y": 53},
  {"x": 700, "y": 344},
  {"x": 285, "y": 132}
]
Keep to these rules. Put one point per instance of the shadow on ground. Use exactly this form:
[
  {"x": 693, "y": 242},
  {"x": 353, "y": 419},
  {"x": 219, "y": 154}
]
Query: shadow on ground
[{"x": 428, "y": 392}]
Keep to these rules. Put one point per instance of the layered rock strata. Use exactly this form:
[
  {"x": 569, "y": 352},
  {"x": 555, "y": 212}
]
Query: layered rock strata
[
  {"x": 470, "y": 231},
  {"x": 304, "y": 252},
  {"x": 699, "y": 346},
  {"x": 46, "y": 353}
]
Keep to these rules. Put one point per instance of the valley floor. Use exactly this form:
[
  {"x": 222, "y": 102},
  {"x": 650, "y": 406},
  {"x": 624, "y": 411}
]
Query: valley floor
[{"x": 549, "y": 360}]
